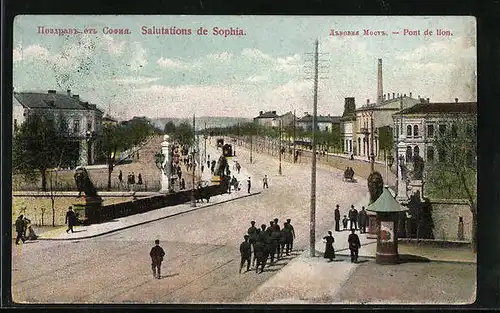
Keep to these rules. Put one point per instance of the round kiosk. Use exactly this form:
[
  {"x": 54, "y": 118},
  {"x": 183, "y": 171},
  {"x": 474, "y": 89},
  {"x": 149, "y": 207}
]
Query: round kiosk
[{"x": 387, "y": 210}]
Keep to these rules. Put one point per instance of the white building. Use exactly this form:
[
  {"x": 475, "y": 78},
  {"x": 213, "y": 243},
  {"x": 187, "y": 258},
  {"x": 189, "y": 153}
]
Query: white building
[
  {"x": 416, "y": 127},
  {"x": 381, "y": 115},
  {"x": 324, "y": 122},
  {"x": 84, "y": 120},
  {"x": 265, "y": 119},
  {"x": 347, "y": 126}
]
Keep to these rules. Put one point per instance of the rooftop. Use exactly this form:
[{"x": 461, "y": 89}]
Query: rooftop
[
  {"x": 372, "y": 106},
  {"x": 268, "y": 114},
  {"x": 441, "y": 107},
  {"x": 320, "y": 119},
  {"x": 52, "y": 100}
]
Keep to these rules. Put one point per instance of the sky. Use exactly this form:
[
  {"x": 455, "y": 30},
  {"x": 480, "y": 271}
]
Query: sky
[{"x": 269, "y": 67}]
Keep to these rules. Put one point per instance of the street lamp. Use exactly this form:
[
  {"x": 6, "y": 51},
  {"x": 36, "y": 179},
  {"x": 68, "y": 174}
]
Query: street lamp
[{"x": 389, "y": 160}]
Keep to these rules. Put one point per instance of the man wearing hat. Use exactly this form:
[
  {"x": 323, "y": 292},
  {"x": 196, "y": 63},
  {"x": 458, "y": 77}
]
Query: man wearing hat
[
  {"x": 288, "y": 221},
  {"x": 246, "y": 253},
  {"x": 337, "y": 218},
  {"x": 157, "y": 253},
  {"x": 252, "y": 233},
  {"x": 276, "y": 226}
]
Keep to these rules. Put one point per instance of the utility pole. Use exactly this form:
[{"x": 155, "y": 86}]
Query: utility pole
[
  {"x": 205, "y": 147},
  {"x": 279, "y": 169},
  {"x": 193, "y": 200},
  {"x": 312, "y": 224},
  {"x": 372, "y": 155},
  {"x": 251, "y": 144},
  {"x": 294, "y": 136}
]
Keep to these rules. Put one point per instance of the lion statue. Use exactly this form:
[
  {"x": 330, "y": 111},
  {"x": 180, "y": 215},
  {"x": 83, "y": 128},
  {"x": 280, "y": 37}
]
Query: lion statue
[{"x": 83, "y": 183}]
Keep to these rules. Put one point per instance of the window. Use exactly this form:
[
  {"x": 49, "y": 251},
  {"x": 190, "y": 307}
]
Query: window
[
  {"x": 408, "y": 130},
  {"x": 416, "y": 150},
  {"x": 415, "y": 130},
  {"x": 442, "y": 129},
  {"x": 430, "y": 154},
  {"x": 397, "y": 131},
  {"x": 454, "y": 131},
  {"x": 89, "y": 125},
  {"x": 76, "y": 126},
  {"x": 430, "y": 131}
]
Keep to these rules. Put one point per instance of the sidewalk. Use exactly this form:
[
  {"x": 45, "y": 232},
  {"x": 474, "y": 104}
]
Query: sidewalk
[{"x": 94, "y": 230}]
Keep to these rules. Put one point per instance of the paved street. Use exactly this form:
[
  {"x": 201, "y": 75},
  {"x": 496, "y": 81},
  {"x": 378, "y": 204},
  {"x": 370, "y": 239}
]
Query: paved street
[{"x": 202, "y": 258}]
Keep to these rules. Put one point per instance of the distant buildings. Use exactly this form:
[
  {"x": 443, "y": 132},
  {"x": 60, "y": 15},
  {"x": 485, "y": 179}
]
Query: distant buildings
[
  {"x": 83, "y": 120},
  {"x": 265, "y": 119},
  {"x": 324, "y": 123},
  {"x": 416, "y": 127}
]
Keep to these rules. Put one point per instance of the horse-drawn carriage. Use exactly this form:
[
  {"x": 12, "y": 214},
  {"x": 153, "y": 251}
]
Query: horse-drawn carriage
[{"x": 349, "y": 175}]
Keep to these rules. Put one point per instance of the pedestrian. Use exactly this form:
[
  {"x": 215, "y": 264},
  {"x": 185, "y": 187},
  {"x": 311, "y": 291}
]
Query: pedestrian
[
  {"x": 133, "y": 178},
  {"x": 208, "y": 164},
  {"x": 156, "y": 255},
  {"x": 292, "y": 230},
  {"x": 202, "y": 168},
  {"x": 329, "y": 250},
  {"x": 275, "y": 246},
  {"x": 260, "y": 255},
  {"x": 70, "y": 219},
  {"x": 20, "y": 229},
  {"x": 354, "y": 245},
  {"x": 238, "y": 167},
  {"x": 363, "y": 218},
  {"x": 337, "y": 218},
  {"x": 249, "y": 182},
  {"x": 264, "y": 181},
  {"x": 283, "y": 239},
  {"x": 344, "y": 222},
  {"x": 120, "y": 177},
  {"x": 246, "y": 253},
  {"x": 356, "y": 219},
  {"x": 353, "y": 216},
  {"x": 276, "y": 225},
  {"x": 252, "y": 233},
  {"x": 139, "y": 179},
  {"x": 182, "y": 184},
  {"x": 287, "y": 231},
  {"x": 27, "y": 223}
]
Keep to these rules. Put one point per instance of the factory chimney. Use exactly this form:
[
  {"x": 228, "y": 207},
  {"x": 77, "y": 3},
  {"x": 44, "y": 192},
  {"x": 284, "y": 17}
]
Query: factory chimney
[{"x": 380, "y": 90}]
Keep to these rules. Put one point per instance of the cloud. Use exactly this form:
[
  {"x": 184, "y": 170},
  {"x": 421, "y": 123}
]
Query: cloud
[
  {"x": 139, "y": 59},
  {"x": 135, "y": 80},
  {"x": 257, "y": 78},
  {"x": 113, "y": 46},
  {"x": 220, "y": 57},
  {"x": 253, "y": 53},
  {"x": 169, "y": 63}
]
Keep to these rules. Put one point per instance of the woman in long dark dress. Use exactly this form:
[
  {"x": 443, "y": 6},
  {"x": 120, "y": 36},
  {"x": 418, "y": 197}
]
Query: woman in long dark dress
[{"x": 329, "y": 251}]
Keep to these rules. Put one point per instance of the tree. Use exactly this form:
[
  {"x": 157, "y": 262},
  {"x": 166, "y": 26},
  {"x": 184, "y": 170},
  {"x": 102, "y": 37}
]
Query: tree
[
  {"x": 454, "y": 173},
  {"x": 112, "y": 142},
  {"x": 375, "y": 186},
  {"x": 37, "y": 146},
  {"x": 385, "y": 139},
  {"x": 184, "y": 134},
  {"x": 169, "y": 128}
]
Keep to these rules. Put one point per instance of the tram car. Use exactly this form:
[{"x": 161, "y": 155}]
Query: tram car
[{"x": 222, "y": 166}]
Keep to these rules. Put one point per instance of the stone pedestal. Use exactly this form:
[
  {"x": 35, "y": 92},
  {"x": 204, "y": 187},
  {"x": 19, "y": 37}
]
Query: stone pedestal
[
  {"x": 402, "y": 187},
  {"x": 88, "y": 212},
  {"x": 166, "y": 182},
  {"x": 417, "y": 186}
]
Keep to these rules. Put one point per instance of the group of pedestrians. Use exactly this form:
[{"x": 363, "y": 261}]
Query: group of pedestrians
[
  {"x": 353, "y": 241},
  {"x": 266, "y": 243},
  {"x": 356, "y": 219},
  {"x": 131, "y": 181}
]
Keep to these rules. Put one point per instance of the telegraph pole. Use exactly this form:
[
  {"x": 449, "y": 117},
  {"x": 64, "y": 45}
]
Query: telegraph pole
[
  {"x": 279, "y": 169},
  {"x": 312, "y": 225},
  {"x": 193, "y": 200},
  {"x": 293, "y": 136},
  {"x": 372, "y": 155},
  {"x": 251, "y": 144}
]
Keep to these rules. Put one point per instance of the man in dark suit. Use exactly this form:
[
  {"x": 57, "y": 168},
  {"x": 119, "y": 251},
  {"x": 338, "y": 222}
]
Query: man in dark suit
[
  {"x": 293, "y": 232},
  {"x": 246, "y": 253},
  {"x": 70, "y": 219},
  {"x": 354, "y": 245},
  {"x": 363, "y": 219},
  {"x": 156, "y": 255},
  {"x": 337, "y": 218}
]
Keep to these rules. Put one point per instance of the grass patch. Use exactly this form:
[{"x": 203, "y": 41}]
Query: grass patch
[{"x": 31, "y": 207}]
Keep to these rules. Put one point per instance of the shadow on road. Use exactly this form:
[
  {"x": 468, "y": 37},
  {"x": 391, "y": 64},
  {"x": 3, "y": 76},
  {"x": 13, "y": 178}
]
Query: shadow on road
[
  {"x": 408, "y": 258},
  {"x": 169, "y": 275}
]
